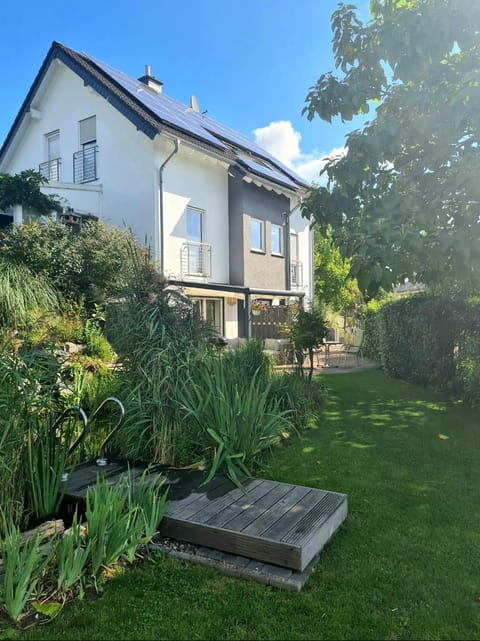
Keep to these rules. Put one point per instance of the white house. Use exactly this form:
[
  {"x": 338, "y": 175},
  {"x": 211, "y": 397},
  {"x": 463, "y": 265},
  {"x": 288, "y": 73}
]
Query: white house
[{"x": 221, "y": 214}]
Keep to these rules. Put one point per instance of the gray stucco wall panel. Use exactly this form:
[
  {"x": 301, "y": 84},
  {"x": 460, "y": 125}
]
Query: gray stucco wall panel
[{"x": 248, "y": 268}]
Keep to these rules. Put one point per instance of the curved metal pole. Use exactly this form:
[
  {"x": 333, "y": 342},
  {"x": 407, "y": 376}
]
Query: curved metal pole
[
  {"x": 78, "y": 410},
  {"x": 102, "y": 461}
]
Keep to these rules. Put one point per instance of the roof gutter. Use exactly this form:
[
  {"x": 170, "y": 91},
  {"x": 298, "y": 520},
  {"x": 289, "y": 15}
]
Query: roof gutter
[{"x": 160, "y": 240}]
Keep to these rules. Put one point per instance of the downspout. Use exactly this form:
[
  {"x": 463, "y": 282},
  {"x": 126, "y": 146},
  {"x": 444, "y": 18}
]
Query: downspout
[{"x": 161, "y": 244}]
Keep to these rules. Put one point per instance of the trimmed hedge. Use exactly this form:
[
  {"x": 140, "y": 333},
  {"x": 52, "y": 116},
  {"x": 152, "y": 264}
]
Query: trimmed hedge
[{"x": 430, "y": 340}]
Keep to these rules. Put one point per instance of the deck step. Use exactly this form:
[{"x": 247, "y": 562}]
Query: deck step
[{"x": 278, "y": 523}]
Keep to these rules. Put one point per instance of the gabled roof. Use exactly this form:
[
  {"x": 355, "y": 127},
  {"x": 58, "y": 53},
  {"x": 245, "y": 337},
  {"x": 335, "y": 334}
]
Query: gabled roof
[{"x": 153, "y": 113}]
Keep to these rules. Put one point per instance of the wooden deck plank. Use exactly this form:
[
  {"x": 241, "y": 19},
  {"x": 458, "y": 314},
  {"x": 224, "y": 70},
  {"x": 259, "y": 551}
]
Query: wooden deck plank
[
  {"x": 205, "y": 502},
  {"x": 251, "y": 512},
  {"x": 275, "y": 512},
  {"x": 244, "y": 502},
  {"x": 292, "y": 516},
  {"x": 313, "y": 518},
  {"x": 254, "y": 547}
]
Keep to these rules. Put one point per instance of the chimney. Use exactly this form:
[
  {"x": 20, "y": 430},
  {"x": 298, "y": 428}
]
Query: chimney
[{"x": 151, "y": 81}]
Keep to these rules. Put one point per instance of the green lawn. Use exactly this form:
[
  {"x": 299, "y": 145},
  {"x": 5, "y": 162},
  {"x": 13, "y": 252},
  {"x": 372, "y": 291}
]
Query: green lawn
[{"x": 405, "y": 565}]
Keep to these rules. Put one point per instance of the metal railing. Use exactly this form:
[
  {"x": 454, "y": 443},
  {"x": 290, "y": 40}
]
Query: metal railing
[
  {"x": 296, "y": 273},
  {"x": 50, "y": 169},
  {"x": 196, "y": 259},
  {"x": 85, "y": 165}
]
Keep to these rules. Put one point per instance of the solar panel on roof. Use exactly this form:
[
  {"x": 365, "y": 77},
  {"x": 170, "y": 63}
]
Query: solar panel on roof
[
  {"x": 207, "y": 129},
  {"x": 268, "y": 172}
]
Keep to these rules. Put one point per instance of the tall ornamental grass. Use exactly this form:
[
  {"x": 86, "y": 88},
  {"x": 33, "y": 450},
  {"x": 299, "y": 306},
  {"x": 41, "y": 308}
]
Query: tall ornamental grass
[
  {"x": 238, "y": 419},
  {"x": 158, "y": 340}
]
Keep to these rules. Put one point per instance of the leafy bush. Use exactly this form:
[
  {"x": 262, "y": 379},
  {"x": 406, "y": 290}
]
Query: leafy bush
[
  {"x": 429, "y": 339},
  {"x": 93, "y": 262},
  {"x": 301, "y": 398},
  {"x": 416, "y": 339},
  {"x": 467, "y": 368},
  {"x": 96, "y": 344},
  {"x": 247, "y": 361}
]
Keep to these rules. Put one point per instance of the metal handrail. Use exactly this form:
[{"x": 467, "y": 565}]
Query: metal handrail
[
  {"x": 102, "y": 460},
  {"x": 78, "y": 410}
]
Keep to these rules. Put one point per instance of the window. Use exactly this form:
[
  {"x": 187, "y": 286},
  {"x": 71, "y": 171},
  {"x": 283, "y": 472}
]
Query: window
[
  {"x": 210, "y": 310},
  {"x": 50, "y": 169},
  {"x": 85, "y": 160},
  {"x": 257, "y": 235},
  {"x": 194, "y": 225},
  {"x": 195, "y": 236},
  {"x": 294, "y": 247},
  {"x": 277, "y": 240},
  {"x": 88, "y": 131}
]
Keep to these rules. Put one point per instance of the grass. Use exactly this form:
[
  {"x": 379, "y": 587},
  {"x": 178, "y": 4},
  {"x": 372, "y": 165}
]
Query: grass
[{"x": 405, "y": 565}]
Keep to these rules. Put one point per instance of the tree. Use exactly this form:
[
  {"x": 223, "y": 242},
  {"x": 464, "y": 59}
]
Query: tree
[
  {"x": 404, "y": 201},
  {"x": 307, "y": 330},
  {"x": 24, "y": 189},
  {"x": 333, "y": 287}
]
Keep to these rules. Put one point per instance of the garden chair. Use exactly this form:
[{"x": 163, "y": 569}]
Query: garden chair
[{"x": 354, "y": 348}]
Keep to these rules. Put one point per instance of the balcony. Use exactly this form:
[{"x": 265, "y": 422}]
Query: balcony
[
  {"x": 296, "y": 274},
  {"x": 50, "y": 169},
  {"x": 85, "y": 165},
  {"x": 196, "y": 259}
]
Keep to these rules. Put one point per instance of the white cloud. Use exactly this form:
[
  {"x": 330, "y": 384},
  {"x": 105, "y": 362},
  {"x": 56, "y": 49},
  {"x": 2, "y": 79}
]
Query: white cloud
[{"x": 282, "y": 141}]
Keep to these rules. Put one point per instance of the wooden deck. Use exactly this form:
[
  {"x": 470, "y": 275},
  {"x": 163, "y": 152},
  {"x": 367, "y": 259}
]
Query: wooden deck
[{"x": 273, "y": 522}]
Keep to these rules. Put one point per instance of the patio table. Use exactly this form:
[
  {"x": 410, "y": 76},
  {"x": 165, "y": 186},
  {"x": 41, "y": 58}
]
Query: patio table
[{"x": 327, "y": 345}]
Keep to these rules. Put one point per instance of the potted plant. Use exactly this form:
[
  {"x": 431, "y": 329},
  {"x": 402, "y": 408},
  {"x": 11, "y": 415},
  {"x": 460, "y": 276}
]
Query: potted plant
[{"x": 258, "y": 307}]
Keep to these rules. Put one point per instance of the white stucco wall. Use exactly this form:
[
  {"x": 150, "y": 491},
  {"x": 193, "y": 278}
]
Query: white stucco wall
[
  {"x": 125, "y": 192},
  {"x": 191, "y": 178},
  {"x": 301, "y": 226}
]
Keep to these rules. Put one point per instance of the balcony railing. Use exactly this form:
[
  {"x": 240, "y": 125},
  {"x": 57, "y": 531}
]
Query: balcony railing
[
  {"x": 50, "y": 169},
  {"x": 196, "y": 259},
  {"x": 296, "y": 273},
  {"x": 85, "y": 165}
]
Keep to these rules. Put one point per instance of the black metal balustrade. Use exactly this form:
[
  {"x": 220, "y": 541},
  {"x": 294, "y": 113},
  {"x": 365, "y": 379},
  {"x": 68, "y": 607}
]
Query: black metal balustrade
[
  {"x": 196, "y": 259},
  {"x": 85, "y": 165},
  {"x": 50, "y": 169}
]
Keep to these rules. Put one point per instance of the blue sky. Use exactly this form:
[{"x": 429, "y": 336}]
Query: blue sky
[{"x": 249, "y": 63}]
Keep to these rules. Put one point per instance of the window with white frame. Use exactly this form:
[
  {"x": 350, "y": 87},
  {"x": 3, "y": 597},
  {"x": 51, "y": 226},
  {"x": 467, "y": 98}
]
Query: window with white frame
[
  {"x": 196, "y": 258},
  {"x": 257, "y": 235},
  {"x": 50, "y": 169},
  {"x": 211, "y": 311},
  {"x": 277, "y": 240},
  {"x": 85, "y": 160}
]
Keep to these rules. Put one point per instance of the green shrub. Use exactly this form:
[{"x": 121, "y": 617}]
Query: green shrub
[
  {"x": 22, "y": 293},
  {"x": 28, "y": 387},
  {"x": 23, "y": 564},
  {"x": 158, "y": 340},
  {"x": 301, "y": 398},
  {"x": 248, "y": 360},
  {"x": 427, "y": 339},
  {"x": 239, "y": 418},
  {"x": 96, "y": 345},
  {"x": 94, "y": 262},
  {"x": 467, "y": 368}
]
